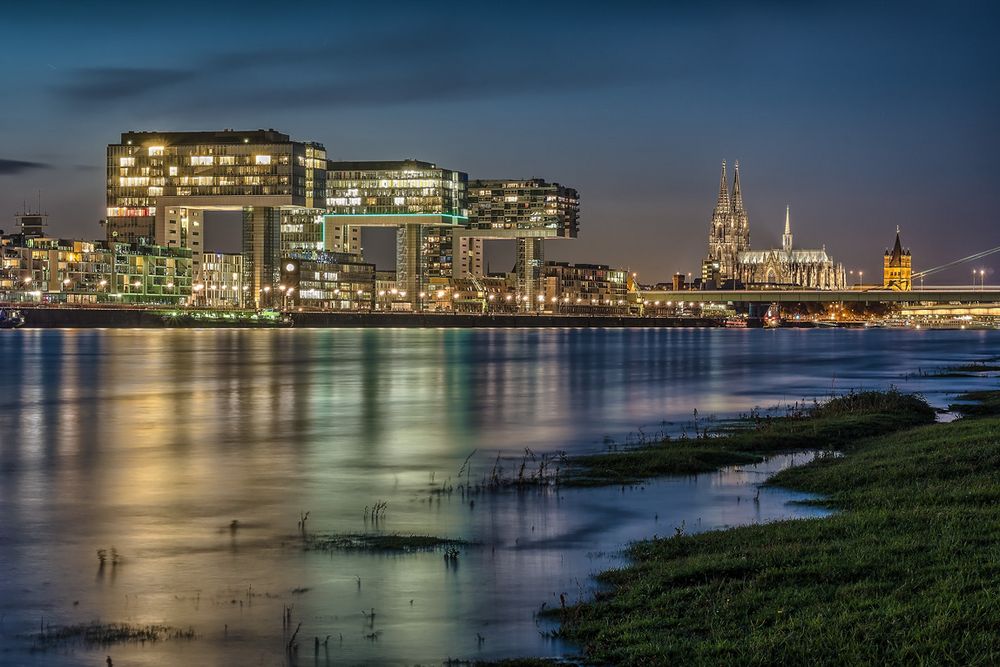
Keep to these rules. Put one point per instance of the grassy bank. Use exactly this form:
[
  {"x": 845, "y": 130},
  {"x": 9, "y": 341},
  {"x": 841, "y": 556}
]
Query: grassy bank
[
  {"x": 905, "y": 572},
  {"x": 834, "y": 425}
]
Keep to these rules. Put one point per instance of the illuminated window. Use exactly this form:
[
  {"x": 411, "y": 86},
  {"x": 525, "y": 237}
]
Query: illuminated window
[
  {"x": 173, "y": 171},
  {"x": 155, "y": 150},
  {"x": 126, "y": 162},
  {"x": 227, "y": 159},
  {"x": 201, "y": 160},
  {"x": 262, "y": 159}
]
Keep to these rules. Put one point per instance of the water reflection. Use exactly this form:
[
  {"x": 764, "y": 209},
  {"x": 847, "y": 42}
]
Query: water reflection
[{"x": 152, "y": 442}]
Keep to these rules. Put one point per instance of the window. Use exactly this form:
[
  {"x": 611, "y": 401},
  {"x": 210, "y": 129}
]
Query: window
[
  {"x": 201, "y": 160},
  {"x": 262, "y": 159},
  {"x": 126, "y": 162},
  {"x": 155, "y": 150},
  {"x": 173, "y": 171}
]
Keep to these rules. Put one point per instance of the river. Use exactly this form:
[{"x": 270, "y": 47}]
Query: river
[{"x": 152, "y": 442}]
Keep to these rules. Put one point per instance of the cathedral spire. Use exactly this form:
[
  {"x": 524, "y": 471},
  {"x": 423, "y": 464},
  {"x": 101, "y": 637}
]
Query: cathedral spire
[
  {"x": 786, "y": 238},
  {"x": 737, "y": 193},
  {"x": 722, "y": 205}
]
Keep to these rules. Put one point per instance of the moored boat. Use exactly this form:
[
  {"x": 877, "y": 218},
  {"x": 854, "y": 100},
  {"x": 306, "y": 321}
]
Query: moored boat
[{"x": 10, "y": 319}]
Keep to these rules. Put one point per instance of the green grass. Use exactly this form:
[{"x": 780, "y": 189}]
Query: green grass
[
  {"x": 834, "y": 425},
  {"x": 906, "y": 572},
  {"x": 975, "y": 367},
  {"x": 977, "y": 404}
]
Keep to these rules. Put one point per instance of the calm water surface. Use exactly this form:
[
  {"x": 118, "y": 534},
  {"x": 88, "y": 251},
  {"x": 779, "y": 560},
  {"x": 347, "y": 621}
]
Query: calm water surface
[{"x": 152, "y": 442}]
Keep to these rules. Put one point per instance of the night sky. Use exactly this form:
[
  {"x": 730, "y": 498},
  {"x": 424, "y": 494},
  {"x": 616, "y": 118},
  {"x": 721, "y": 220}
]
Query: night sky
[{"x": 861, "y": 116}]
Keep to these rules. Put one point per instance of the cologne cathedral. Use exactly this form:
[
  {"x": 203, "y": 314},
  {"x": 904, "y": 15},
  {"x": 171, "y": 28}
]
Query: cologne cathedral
[{"x": 787, "y": 267}]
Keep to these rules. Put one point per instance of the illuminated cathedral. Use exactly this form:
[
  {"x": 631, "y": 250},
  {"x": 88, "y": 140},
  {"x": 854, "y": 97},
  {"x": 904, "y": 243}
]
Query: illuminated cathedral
[{"x": 787, "y": 267}]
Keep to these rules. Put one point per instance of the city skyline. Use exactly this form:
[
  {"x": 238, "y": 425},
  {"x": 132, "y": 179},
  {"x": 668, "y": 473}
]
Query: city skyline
[{"x": 843, "y": 119}]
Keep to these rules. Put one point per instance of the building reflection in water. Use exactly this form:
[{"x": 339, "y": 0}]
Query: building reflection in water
[{"x": 153, "y": 442}]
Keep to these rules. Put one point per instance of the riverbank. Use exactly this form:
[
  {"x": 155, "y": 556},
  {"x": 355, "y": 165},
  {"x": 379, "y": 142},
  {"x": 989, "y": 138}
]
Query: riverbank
[
  {"x": 905, "y": 571},
  {"x": 831, "y": 426},
  {"x": 111, "y": 318}
]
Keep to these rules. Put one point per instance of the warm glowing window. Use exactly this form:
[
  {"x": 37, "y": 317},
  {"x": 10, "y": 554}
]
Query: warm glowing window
[
  {"x": 173, "y": 171},
  {"x": 156, "y": 150},
  {"x": 201, "y": 160},
  {"x": 126, "y": 162},
  {"x": 262, "y": 159},
  {"x": 227, "y": 159}
]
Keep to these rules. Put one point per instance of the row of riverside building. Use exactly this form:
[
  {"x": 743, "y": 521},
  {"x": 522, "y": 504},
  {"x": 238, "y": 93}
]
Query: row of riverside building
[
  {"x": 51, "y": 270},
  {"x": 302, "y": 217}
]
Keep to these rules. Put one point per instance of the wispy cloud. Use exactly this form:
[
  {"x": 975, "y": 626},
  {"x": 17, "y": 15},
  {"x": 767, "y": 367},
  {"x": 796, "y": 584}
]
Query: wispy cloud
[
  {"x": 391, "y": 66},
  {"x": 11, "y": 167},
  {"x": 112, "y": 84}
]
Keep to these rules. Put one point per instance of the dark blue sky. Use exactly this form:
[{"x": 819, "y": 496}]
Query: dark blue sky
[{"x": 859, "y": 115}]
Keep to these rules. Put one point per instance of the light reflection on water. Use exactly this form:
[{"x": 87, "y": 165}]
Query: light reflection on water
[{"x": 153, "y": 441}]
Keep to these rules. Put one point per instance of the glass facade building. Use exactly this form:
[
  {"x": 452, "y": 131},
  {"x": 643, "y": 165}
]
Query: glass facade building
[
  {"x": 160, "y": 183},
  {"x": 412, "y": 196},
  {"x": 327, "y": 281}
]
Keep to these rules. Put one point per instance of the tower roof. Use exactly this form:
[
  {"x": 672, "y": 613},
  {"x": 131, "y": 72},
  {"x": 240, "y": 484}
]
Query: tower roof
[{"x": 895, "y": 257}]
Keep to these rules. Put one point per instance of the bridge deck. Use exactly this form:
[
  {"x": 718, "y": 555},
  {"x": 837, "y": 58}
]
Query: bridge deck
[{"x": 989, "y": 295}]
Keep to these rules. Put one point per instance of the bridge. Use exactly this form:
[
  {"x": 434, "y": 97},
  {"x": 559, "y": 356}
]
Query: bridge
[{"x": 940, "y": 295}]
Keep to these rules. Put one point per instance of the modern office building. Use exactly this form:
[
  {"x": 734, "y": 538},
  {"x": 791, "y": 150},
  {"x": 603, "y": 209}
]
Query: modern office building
[
  {"x": 327, "y": 281},
  {"x": 411, "y": 196},
  {"x": 159, "y": 184},
  {"x": 528, "y": 211}
]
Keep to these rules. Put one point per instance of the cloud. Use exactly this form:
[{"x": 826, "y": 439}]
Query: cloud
[
  {"x": 11, "y": 167},
  {"x": 416, "y": 62},
  {"x": 112, "y": 84}
]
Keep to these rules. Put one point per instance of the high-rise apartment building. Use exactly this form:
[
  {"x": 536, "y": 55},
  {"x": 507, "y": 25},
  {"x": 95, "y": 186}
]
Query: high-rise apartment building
[
  {"x": 526, "y": 210},
  {"x": 160, "y": 183}
]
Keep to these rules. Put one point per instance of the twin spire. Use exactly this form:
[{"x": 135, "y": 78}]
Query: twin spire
[{"x": 723, "y": 203}]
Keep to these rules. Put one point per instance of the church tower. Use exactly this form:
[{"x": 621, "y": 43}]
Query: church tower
[
  {"x": 719, "y": 229},
  {"x": 897, "y": 270},
  {"x": 740, "y": 220},
  {"x": 729, "y": 233}
]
